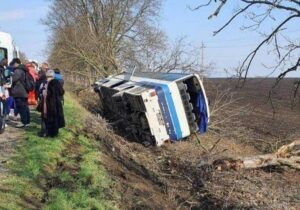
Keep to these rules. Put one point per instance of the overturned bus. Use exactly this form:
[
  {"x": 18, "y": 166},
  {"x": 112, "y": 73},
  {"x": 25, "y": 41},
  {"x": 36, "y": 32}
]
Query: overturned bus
[{"x": 156, "y": 107}]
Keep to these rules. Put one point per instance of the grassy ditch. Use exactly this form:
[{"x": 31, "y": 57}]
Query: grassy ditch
[{"x": 59, "y": 173}]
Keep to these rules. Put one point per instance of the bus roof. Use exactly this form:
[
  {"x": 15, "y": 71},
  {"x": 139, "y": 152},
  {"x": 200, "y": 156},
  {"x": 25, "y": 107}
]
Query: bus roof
[{"x": 158, "y": 75}]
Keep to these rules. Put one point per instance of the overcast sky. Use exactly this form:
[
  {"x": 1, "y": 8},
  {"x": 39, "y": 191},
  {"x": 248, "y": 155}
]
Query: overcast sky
[{"x": 22, "y": 19}]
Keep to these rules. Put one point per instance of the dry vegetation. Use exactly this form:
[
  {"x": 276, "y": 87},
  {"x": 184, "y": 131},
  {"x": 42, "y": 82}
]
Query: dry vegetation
[
  {"x": 92, "y": 39},
  {"x": 179, "y": 176},
  {"x": 271, "y": 19}
]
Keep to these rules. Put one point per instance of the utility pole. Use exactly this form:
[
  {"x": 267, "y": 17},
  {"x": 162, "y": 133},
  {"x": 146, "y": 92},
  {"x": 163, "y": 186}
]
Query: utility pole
[{"x": 202, "y": 60}]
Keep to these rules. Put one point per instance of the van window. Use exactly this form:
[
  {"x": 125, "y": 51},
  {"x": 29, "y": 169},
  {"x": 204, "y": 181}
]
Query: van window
[{"x": 3, "y": 53}]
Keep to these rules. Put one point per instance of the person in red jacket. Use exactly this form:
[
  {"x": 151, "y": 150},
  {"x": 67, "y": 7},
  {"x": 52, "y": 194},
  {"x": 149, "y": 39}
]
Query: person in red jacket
[{"x": 32, "y": 95}]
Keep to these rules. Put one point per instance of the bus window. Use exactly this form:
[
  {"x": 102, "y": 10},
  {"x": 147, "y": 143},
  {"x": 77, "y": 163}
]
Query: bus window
[{"x": 3, "y": 53}]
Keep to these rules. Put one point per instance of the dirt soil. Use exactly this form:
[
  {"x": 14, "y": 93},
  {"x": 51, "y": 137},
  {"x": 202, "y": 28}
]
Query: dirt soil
[
  {"x": 8, "y": 143},
  {"x": 172, "y": 176}
]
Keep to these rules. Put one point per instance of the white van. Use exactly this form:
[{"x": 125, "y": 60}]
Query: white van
[
  {"x": 7, "y": 47},
  {"x": 9, "y": 51}
]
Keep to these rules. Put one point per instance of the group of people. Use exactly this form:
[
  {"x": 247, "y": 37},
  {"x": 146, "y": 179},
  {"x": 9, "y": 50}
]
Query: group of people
[{"x": 25, "y": 84}]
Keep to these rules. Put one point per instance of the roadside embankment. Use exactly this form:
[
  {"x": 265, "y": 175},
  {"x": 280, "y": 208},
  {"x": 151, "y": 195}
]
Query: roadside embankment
[
  {"x": 57, "y": 173},
  {"x": 172, "y": 176}
]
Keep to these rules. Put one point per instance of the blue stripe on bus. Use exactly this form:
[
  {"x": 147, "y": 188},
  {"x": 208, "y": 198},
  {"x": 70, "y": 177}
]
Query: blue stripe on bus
[
  {"x": 173, "y": 111},
  {"x": 165, "y": 112},
  {"x": 167, "y": 103}
]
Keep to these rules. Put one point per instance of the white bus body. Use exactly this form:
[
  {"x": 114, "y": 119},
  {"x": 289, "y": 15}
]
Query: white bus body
[{"x": 156, "y": 107}]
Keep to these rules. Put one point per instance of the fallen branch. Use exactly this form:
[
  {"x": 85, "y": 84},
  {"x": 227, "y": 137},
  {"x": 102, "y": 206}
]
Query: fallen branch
[{"x": 287, "y": 155}]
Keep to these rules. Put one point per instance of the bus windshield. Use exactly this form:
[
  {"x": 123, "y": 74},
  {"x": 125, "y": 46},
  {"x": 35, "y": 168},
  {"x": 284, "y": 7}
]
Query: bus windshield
[{"x": 3, "y": 53}]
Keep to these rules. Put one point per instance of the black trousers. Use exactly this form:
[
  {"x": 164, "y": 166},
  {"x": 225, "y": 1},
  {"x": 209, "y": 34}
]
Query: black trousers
[{"x": 23, "y": 109}]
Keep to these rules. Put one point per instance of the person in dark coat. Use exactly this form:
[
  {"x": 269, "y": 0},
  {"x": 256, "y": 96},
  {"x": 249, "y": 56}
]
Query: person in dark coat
[
  {"x": 3, "y": 93},
  {"x": 3, "y": 66},
  {"x": 41, "y": 80},
  {"x": 19, "y": 92},
  {"x": 52, "y": 108},
  {"x": 5, "y": 77},
  {"x": 10, "y": 101}
]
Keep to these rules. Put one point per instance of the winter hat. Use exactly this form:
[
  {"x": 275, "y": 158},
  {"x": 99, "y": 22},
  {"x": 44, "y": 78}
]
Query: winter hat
[
  {"x": 50, "y": 73},
  {"x": 57, "y": 71}
]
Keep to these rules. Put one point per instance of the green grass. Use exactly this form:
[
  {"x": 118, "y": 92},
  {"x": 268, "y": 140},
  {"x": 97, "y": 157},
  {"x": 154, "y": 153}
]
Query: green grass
[{"x": 58, "y": 173}]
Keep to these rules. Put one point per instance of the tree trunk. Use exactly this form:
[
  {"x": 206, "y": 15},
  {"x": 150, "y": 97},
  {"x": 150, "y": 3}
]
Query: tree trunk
[{"x": 287, "y": 155}]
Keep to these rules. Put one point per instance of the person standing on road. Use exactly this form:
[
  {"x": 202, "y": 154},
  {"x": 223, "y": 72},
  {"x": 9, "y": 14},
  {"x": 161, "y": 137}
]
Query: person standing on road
[
  {"x": 42, "y": 79},
  {"x": 3, "y": 64},
  {"x": 19, "y": 92},
  {"x": 52, "y": 108},
  {"x": 5, "y": 84},
  {"x": 4, "y": 71},
  {"x": 30, "y": 66},
  {"x": 3, "y": 93},
  {"x": 10, "y": 101}
]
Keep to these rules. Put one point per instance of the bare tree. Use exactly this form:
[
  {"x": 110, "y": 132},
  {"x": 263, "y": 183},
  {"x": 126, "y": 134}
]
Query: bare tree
[
  {"x": 281, "y": 13},
  {"x": 93, "y": 35},
  {"x": 168, "y": 57},
  {"x": 23, "y": 56},
  {"x": 92, "y": 38}
]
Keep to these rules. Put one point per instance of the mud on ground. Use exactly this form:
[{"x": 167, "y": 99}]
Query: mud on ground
[
  {"x": 169, "y": 177},
  {"x": 8, "y": 143}
]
